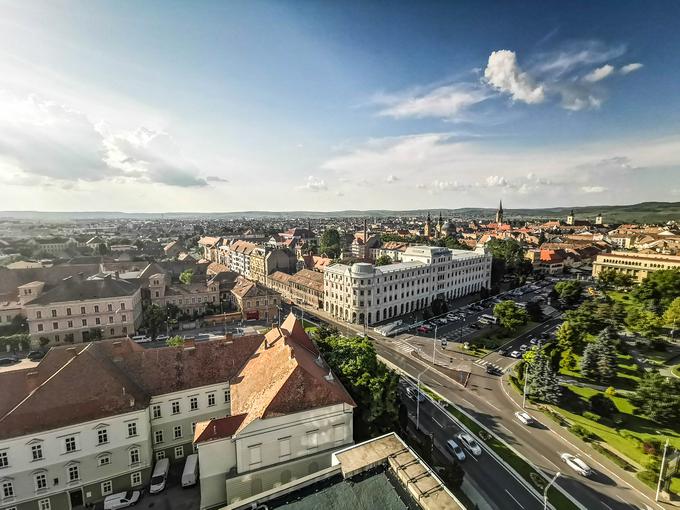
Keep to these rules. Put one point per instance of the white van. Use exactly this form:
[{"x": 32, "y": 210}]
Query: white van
[
  {"x": 141, "y": 339},
  {"x": 159, "y": 476},
  {"x": 190, "y": 473},
  {"x": 121, "y": 500}
]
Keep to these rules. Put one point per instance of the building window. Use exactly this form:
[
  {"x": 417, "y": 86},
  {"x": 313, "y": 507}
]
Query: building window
[
  {"x": 83, "y": 322},
  {"x": 82, "y": 310},
  {"x": 177, "y": 431},
  {"x": 284, "y": 447},
  {"x": 70, "y": 444},
  {"x": 156, "y": 410},
  {"x": 211, "y": 399},
  {"x": 158, "y": 436},
  {"x": 193, "y": 403},
  {"x": 4, "y": 460},
  {"x": 70, "y": 324},
  {"x": 110, "y": 319},
  {"x": 255, "y": 454},
  {"x": 104, "y": 460},
  {"x": 36, "y": 452},
  {"x": 227, "y": 395},
  {"x": 7, "y": 489},
  {"x": 179, "y": 452},
  {"x": 134, "y": 456},
  {"x": 73, "y": 473},
  {"x": 136, "y": 479},
  {"x": 55, "y": 325},
  {"x": 54, "y": 313},
  {"x": 102, "y": 436},
  {"x": 312, "y": 440},
  {"x": 175, "y": 407},
  {"x": 124, "y": 318},
  {"x": 40, "y": 481},
  {"x": 160, "y": 455},
  {"x": 97, "y": 320},
  {"x": 122, "y": 306},
  {"x": 107, "y": 487},
  {"x": 44, "y": 504},
  {"x": 40, "y": 327},
  {"x": 109, "y": 307},
  {"x": 96, "y": 308},
  {"x": 38, "y": 314}
]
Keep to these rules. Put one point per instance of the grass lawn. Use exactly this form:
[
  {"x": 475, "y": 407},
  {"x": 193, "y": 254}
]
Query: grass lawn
[
  {"x": 628, "y": 438},
  {"x": 627, "y": 375}
]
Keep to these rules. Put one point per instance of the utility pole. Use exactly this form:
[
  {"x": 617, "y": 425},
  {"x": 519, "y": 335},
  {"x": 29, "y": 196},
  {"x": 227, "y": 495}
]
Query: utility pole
[
  {"x": 545, "y": 491},
  {"x": 663, "y": 461}
]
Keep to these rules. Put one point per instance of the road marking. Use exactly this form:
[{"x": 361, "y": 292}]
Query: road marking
[
  {"x": 605, "y": 504},
  {"x": 506, "y": 429},
  {"x": 513, "y": 498},
  {"x": 551, "y": 462},
  {"x": 435, "y": 420}
]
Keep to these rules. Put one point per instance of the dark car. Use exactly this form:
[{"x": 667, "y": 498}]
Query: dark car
[
  {"x": 35, "y": 355},
  {"x": 493, "y": 370},
  {"x": 7, "y": 361},
  {"x": 503, "y": 352}
]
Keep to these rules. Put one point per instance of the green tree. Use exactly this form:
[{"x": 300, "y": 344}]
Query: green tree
[
  {"x": 569, "y": 338},
  {"x": 383, "y": 260},
  {"x": 599, "y": 359},
  {"x": 671, "y": 316},
  {"x": 542, "y": 383},
  {"x": 658, "y": 289},
  {"x": 175, "y": 341},
  {"x": 610, "y": 278},
  {"x": 568, "y": 360},
  {"x": 330, "y": 243},
  {"x": 510, "y": 315},
  {"x": 508, "y": 257},
  {"x": 454, "y": 244},
  {"x": 153, "y": 319},
  {"x": 534, "y": 311},
  {"x": 642, "y": 321},
  {"x": 658, "y": 398},
  {"x": 186, "y": 276},
  {"x": 372, "y": 386},
  {"x": 569, "y": 291}
]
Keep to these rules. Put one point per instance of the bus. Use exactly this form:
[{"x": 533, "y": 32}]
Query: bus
[{"x": 489, "y": 319}]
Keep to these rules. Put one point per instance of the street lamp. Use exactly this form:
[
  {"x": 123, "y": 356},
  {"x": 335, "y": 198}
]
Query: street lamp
[
  {"x": 663, "y": 461},
  {"x": 418, "y": 399},
  {"x": 545, "y": 491}
]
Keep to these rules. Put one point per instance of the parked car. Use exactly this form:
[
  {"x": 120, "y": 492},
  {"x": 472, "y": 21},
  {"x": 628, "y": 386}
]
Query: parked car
[
  {"x": 470, "y": 444},
  {"x": 524, "y": 418},
  {"x": 455, "y": 450},
  {"x": 415, "y": 394},
  {"x": 503, "y": 352},
  {"x": 444, "y": 342},
  {"x": 121, "y": 500},
  {"x": 515, "y": 354},
  {"x": 523, "y": 348},
  {"x": 162, "y": 338},
  {"x": 423, "y": 329},
  {"x": 159, "y": 476},
  {"x": 534, "y": 341},
  {"x": 576, "y": 464},
  {"x": 7, "y": 361},
  {"x": 141, "y": 339},
  {"x": 35, "y": 355}
]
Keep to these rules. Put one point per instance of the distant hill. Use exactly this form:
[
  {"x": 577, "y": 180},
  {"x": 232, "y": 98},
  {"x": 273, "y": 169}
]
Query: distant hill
[{"x": 645, "y": 212}]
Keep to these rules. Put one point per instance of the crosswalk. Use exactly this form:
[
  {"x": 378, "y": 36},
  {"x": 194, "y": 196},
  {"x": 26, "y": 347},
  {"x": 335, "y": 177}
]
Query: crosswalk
[
  {"x": 402, "y": 346},
  {"x": 483, "y": 363}
]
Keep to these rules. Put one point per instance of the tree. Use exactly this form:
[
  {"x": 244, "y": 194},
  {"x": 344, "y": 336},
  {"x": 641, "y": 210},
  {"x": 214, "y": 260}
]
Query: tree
[
  {"x": 642, "y": 321},
  {"x": 153, "y": 319},
  {"x": 671, "y": 316},
  {"x": 372, "y": 386},
  {"x": 175, "y": 341},
  {"x": 534, "y": 311},
  {"x": 510, "y": 315},
  {"x": 609, "y": 278},
  {"x": 330, "y": 243},
  {"x": 186, "y": 276},
  {"x": 383, "y": 260},
  {"x": 658, "y": 398},
  {"x": 658, "y": 289},
  {"x": 172, "y": 311},
  {"x": 508, "y": 257},
  {"x": 542, "y": 383},
  {"x": 454, "y": 244},
  {"x": 568, "y": 360},
  {"x": 569, "y": 338},
  {"x": 600, "y": 359},
  {"x": 569, "y": 291}
]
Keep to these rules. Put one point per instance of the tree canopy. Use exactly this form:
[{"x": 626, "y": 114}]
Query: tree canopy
[
  {"x": 383, "y": 260},
  {"x": 542, "y": 382},
  {"x": 186, "y": 276},
  {"x": 659, "y": 289},
  {"x": 569, "y": 291},
  {"x": 599, "y": 359},
  {"x": 330, "y": 243},
  {"x": 510, "y": 315},
  {"x": 658, "y": 398}
]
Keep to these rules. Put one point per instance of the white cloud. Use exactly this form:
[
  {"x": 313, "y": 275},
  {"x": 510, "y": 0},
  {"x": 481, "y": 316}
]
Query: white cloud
[
  {"x": 599, "y": 74},
  {"x": 447, "y": 102},
  {"x": 575, "y": 103},
  {"x": 497, "y": 181},
  {"x": 215, "y": 178},
  {"x": 593, "y": 189},
  {"x": 314, "y": 184},
  {"x": 391, "y": 179},
  {"x": 574, "y": 56},
  {"x": 629, "y": 68},
  {"x": 503, "y": 73},
  {"x": 438, "y": 186}
]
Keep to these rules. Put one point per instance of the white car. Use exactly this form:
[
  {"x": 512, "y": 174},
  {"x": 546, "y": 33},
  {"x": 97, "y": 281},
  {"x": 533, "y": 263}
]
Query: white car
[
  {"x": 455, "y": 450},
  {"x": 141, "y": 339},
  {"x": 162, "y": 338},
  {"x": 470, "y": 444},
  {"x": 523, "y": 348},
  {"x": 515, "y": 354},
  {"x": 524, "y": 418},
  {"x": 576, "y": 464},
  {"x": 121, "y": 500}
]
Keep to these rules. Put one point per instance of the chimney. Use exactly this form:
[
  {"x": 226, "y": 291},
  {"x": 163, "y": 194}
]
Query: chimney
[{"x": 32, "y": 380}]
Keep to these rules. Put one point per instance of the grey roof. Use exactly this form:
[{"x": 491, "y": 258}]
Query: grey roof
[{"x": 75, "y": 289}]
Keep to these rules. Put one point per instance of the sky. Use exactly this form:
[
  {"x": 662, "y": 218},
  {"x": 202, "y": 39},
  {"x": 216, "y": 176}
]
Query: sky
[{"x": 198, "y": 106}]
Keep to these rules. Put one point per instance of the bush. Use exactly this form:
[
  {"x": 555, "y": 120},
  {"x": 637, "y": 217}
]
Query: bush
[
  {"x": 591, "y": 416},
  {"x": 610, "y": 392},
  {"x": 583, "y": 433},
  {"x": 602, "y": 405},
  {"x": 652, "y": 447}
]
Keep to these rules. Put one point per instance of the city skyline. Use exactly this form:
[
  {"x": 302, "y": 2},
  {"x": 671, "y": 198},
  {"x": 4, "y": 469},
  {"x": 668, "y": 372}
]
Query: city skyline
[{"x": 277, "y": 106}]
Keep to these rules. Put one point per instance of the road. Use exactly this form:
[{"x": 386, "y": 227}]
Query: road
[{"x": 487, "y": 474}]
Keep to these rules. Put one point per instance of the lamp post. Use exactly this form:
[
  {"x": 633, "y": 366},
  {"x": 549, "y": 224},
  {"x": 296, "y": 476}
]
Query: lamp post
[
  {"x": 545, "y": 491},
  {"x": 418, "y": 399},
  {"x": 663, "y": 461}
]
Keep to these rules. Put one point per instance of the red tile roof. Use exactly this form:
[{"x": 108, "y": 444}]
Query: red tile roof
[{"x": 219, "y": 428}]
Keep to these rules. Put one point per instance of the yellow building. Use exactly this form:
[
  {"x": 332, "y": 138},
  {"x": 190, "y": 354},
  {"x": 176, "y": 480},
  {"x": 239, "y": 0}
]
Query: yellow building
[{"x": 639, "y": 265}]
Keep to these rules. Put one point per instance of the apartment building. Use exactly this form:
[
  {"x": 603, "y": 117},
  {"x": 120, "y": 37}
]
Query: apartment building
[
  {"x": 363, "y": 293},
  {"x": 638, "y": 265},
  {"x": 78, "y": 309},
  {"x": 64, "y": 444},
  {"x": 190, "y": 298},
  {"x": 304, "y": 287},
  {"x": 289, "y": 413},
  {"x": 254, "y": 300},
  {"x": 236, "y": 256}
]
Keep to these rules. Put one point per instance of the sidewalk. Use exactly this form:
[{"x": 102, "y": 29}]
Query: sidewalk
[{"x": 585, "y": 448}]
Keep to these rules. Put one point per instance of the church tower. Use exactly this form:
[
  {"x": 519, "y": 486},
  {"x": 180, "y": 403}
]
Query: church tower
[
  {"x": 428, "y": 226},
  {"x": 570, "y": 218},
  {"x": 499, "y": 213},
  {"x": 598, "y": 219},
  {"x": 438, "y": 232}
]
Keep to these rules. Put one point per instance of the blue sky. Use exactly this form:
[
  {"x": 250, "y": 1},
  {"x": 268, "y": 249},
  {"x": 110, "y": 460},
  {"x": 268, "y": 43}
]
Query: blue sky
[{"x": 220, "y": 106}]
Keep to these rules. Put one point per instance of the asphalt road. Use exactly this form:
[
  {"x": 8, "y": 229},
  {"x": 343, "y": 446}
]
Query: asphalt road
[{"x": 496, "y": 485}]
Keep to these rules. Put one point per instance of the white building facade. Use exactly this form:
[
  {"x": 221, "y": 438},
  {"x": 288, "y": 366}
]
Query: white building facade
[{"x": 364, "y": 293}]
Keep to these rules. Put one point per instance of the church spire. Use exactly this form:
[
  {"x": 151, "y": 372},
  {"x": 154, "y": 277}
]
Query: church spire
[{"x": 499, "y": 213}]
